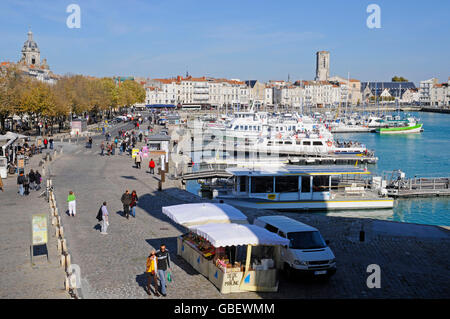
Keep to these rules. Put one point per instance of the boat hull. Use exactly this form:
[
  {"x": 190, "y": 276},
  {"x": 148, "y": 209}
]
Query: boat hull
[
  {"x": 322, "y": 205},
  {"x": 401, "y": 130}
]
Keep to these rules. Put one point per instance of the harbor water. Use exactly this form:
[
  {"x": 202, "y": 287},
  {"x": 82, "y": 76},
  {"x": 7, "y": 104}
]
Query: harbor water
[{"x": 423, "y": 155}]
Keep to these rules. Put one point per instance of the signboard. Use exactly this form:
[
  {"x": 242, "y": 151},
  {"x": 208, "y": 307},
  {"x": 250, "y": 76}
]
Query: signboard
[
  {"x": 20, "y": 161},
  {"x": 39, "y": 229}
]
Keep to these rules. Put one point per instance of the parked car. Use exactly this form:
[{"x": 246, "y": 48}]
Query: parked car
[{"x": 308, "y": 253}]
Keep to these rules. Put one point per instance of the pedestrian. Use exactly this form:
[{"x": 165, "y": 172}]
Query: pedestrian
[
  {"x": 134, "y": 199},
  {"x": 105, "y": 219},
  {"x": 102, "y": 147},
  {"x": 163, "y": 265},
  {"x": 51, "y": 143},
  {"x": 45, "y": 143},
  {"x": 152, "y": 165},
  {"x": 38, "y": 180},
  {"x": 140, "y": 137},
  {"x": 26, "y": 184},
  {"x": 152, "y": 271},
  {"x": 20, "y": 182},
  {"x": 32, "y": 179},
  {"x": 137, "y": 160},
  {"x": 90, "y": 142},
  {"x": 126, "y": 201},
  {"x": 108, "y": 148},
  {"x": 72, "y": 204}
]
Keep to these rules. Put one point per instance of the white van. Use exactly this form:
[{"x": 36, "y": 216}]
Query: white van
[{"x": 307, "y": 254}]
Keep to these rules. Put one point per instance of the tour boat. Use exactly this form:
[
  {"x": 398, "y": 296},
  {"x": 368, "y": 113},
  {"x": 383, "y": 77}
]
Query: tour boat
[{"x": 290, "y": 187}]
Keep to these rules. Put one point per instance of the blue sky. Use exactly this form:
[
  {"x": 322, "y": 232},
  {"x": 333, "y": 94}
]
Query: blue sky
[{"x": 246, "y": 39}]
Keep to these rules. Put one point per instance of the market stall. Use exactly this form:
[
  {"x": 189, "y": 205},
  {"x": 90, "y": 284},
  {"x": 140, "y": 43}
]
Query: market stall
[{"x": 232, "y": 254}]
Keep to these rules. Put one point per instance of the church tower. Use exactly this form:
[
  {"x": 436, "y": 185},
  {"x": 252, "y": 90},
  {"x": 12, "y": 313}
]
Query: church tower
[
  {"x": 322, "y": 65},
  {"x": 30, "y": 52}
]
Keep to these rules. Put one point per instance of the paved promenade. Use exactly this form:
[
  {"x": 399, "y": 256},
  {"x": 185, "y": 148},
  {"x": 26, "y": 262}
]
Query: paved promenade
[
  {"x": 18, "y": 279},
  {"x": 413, "y": 259}
]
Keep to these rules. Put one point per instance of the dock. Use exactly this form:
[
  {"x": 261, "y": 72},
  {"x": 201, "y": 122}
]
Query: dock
[{"x": 419, "y": 187}]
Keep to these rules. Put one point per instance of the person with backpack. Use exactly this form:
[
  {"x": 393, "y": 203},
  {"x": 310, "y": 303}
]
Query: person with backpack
[
  {"x": 72, "y": 204},
  {"x": 134, "y": 199},
  {"x": 126, "y": 201},
  {"x": 105, "y": 219},
  {"x": 151, "y": 270}
]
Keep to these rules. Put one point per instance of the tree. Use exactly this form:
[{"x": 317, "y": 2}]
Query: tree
[
  {"x": 131, "y": 92},
  {"x": 10, "y": 90},
  {"x": 399, "y": 79}
]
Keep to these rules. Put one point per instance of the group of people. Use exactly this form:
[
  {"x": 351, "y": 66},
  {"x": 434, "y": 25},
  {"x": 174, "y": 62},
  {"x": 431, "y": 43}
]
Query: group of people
[
  {"x": 129, "y": 202},
  {"x": 158, "y": 267},
  {"x": 32, "y": 181}
]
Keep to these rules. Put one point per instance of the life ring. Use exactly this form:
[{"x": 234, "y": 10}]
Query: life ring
[
  {"x": 329, "y": 143},
  {"x": 279, "y": 135}
]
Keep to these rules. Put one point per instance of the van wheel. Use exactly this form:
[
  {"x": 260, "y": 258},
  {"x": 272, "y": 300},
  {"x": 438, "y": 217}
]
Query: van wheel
[{"x": 287, "y": 271}]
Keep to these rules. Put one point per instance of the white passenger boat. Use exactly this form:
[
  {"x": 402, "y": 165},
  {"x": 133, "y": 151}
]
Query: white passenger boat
[{"x": 306, "y": 188}]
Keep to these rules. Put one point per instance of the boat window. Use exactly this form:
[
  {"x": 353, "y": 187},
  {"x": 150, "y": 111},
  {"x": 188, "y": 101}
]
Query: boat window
[
  {"x": 288, "y": 143},
  {"x": 246, "y": 127},
  {"x": 318, "y": 143},
  {"x": 306, "y": 240},
  {"x": 306, "y": 184},
  {"x": 321, "y": 183},
  {"x": 263, "y": 184},
  {"x": 279, "y": 142},
  {"x": 271, "y": 228},
  {"x": 306, "y": 143},
  {"x": 298, "y": 142},
  {"x": 269, "y": 143},
  {"x": 286, "y": 184},
  {"x": 243, "y": 182}
]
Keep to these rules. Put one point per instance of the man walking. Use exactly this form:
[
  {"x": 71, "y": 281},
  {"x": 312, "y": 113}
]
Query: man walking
[
  {"x": 152, "y": 165},
  {"x": 32, "y": 179},
  {"x": 20, "y": 182},
  {"x": 72, "y": 204},
  {"x": 37, "y": 179},
  {"x": 126, "y": 201},
  {"x": 105, "y": 219},
  {"x": 138, "y": 160},
  {"x": 163, "y": 265},
  {"x": 102, "y": 147}
]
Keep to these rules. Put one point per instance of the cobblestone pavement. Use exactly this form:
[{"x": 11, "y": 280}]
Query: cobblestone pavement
[
  {"x": 112, "y": 266},
  {"x": 18, "y": 279}
]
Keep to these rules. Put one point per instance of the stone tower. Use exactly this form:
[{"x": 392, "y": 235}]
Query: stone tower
[
  {"x": 30, "y": 52},
  {"x": 322, "y": 65}
]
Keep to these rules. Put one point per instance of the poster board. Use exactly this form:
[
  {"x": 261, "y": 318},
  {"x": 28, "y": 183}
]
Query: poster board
[
  {"x": 39, "y": 232},
  {"x": 20, "y": 161}
]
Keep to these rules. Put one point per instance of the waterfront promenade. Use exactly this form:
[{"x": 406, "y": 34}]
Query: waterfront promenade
[
  {"x": 413, "y": 258},
  {"x": 18, "y": 278}
]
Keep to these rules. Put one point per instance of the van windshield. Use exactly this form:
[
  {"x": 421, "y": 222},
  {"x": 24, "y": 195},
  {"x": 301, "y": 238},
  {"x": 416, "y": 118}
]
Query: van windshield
[{"x": 306, "y": 240}]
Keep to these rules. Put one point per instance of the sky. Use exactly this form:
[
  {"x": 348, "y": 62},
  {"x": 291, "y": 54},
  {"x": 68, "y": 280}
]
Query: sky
[{"x": 246, "y": 39}]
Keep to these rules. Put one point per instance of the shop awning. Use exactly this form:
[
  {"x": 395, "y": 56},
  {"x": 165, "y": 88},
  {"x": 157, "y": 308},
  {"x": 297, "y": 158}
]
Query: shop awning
[
  {"x": 221, "y": 235},
  {"x": 204, "y": 213}
]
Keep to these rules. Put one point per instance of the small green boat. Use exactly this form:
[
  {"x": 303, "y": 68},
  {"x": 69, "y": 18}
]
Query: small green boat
[{"x": 409, "y": 125}]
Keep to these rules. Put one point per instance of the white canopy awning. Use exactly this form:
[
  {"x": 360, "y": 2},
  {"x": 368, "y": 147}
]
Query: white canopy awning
[
  {"x": 204, "y": 213},
  {"x": 221, "y": 235}
]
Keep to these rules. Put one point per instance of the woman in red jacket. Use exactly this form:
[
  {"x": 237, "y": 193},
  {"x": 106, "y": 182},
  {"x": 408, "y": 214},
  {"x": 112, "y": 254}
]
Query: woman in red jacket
[
  {"x": 134, "y": 199},
  {"x": 152, "y": 165}
]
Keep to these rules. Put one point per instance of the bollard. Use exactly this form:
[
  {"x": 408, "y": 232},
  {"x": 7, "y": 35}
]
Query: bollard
[
  {"x": 61, "y": 231},
  {"x": 64, "y": 246},
  {"x": 67, "y": 283},
  {"x": 59, "y": 246},
  {"x": 55, "y": 212},
  {"x": 58, "y": 220},
  {"x": 68, "y": 263},
  {"x": 62, "y": 261},
  {"x": 54, "y": 221},
  {"x": 57, "y": 231}
]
